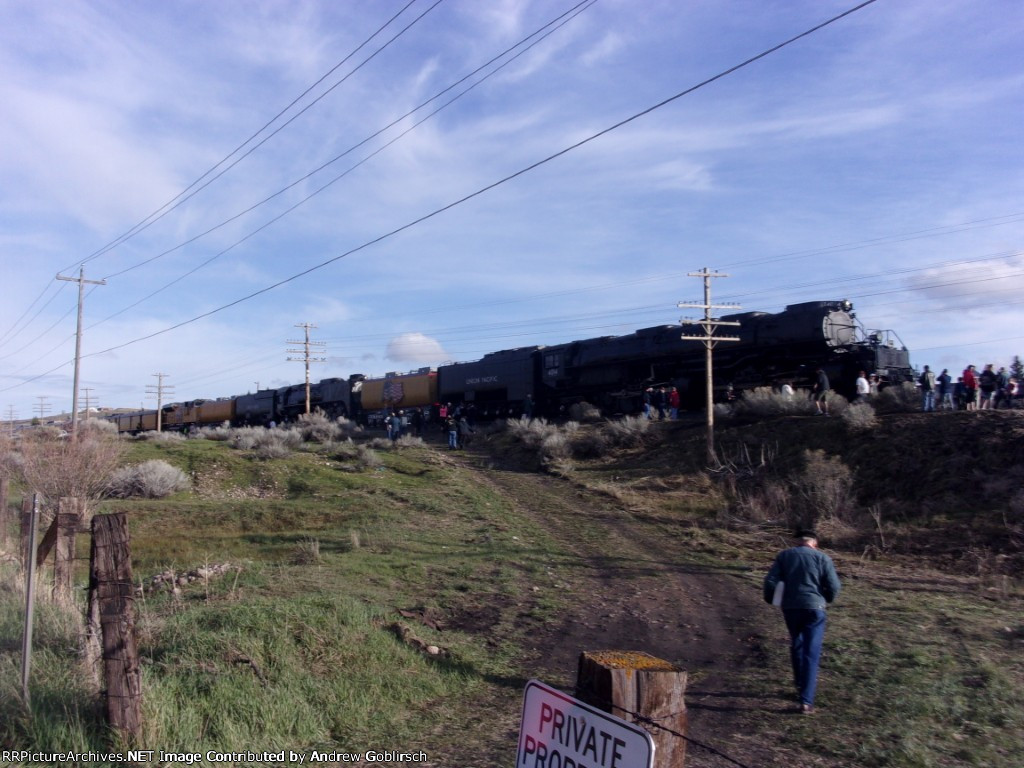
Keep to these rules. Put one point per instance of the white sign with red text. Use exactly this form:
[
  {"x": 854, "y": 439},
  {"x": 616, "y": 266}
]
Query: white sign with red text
[{"x": 558, "y": 731}]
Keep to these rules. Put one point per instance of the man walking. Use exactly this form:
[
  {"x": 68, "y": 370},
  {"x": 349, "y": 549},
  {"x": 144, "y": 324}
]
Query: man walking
[
  {"x": 808, "y": 582},
  {"x": 819, "y": 392}
]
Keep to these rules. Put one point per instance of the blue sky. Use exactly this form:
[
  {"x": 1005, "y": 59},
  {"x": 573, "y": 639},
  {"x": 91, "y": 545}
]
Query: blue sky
[{"x": 877, "y": 159}]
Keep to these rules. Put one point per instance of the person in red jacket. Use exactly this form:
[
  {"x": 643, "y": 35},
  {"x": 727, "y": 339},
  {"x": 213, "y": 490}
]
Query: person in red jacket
[
  {"x": 970, "y": 388},
  {"x": 673, "y": 403}
]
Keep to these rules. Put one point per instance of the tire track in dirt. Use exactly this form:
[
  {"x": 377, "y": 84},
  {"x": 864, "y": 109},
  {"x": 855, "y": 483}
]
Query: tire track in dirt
[{"x": 636, "y": 588}]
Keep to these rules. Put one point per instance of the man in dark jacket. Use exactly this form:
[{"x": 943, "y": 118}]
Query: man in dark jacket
[{"x": 807, "y": 580}]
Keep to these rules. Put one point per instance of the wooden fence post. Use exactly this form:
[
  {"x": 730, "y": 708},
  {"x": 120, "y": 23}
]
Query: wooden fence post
[
  {"x": 5, "y": 513},
  {"x": 26, "y": 531},
  {"x": 69, "y": 514},
  {"x": 110, "y": 576},
  {"x": 630, "y": 683}
]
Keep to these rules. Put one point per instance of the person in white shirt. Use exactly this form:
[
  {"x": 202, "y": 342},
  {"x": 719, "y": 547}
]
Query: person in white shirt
[{"x": 863, "y": 388}]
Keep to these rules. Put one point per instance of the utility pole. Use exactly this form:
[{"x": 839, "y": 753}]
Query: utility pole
[
  {"x": 709, "y": 325},
  {"x": 11, "y": 415},
  {"x": 78, "y": 339},
  {"x": 43, "y": 408},
  {"x": 157, "y": 390},
  {"x": 88, "y": 401},
  {"x": 305, "y": 352}
]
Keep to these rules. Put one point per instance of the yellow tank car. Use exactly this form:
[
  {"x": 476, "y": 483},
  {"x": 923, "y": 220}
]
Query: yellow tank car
[
  {"x": 215, "y": 411},
  {"x": 400, "y": 390}
]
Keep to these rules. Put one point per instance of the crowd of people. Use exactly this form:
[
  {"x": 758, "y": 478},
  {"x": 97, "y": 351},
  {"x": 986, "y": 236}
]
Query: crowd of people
[
  {"x": 972, "y": 390},
  {"x": 456, "y": 422},
  {"x": 661, "y": 402}
]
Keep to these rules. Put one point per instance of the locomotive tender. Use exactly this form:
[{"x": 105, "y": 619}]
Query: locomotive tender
[{"x": 610, "y": 372}]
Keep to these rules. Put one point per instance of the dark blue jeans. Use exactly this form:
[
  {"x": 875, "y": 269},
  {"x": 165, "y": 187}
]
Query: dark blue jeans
[{"x": 807, "y": 632}]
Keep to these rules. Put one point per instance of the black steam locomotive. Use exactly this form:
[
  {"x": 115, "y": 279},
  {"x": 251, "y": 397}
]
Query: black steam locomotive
[{"x": 610, "y": 372}]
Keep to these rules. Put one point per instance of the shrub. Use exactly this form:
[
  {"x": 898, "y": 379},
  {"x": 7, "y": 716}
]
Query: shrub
[
  {"x": 584, "y": 411},
  {"x": 860, "y": 417},
  {"x": 764, "y": 402},
  {"x": 899, "y": 398},
  {"x": 221, "y": 433},
  {"x": 272, "y": 450},
  {"x": 152, "y": 479},
  {"x": 766, "y": 500},
  {"x": 531, "y": 433},
  {"x": 316, "y": 427},
  {"x": 590, "y": 444},
  {"x": 245, "y": 438},
  {"x": 825, "y": 487},
  {"x": 96, "y": 428},
  {"x": 368, "y": 458},
  {"x": 627, "y": 432},
  {"x": 342, "y": 450},
  {"x": 74, "y": 468},
  {"x": 276, "y": 443},
  {"x": 161, "y": 437},
  {"x": 555, "y": 446},
  {"x": 307, "y": 551}
]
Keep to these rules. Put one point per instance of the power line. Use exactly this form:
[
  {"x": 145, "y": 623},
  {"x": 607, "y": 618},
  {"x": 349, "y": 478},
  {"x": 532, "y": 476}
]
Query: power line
[
  {"x": 500, "y": 182},
  {"x": 8, "y": 337},
  {"x": 182, "y": 196},
  {"x": 556, "y": 24}
]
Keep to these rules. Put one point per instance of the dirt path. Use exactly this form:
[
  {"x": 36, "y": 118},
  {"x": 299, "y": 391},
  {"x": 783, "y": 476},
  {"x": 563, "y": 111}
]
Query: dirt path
[{"x": 636, "y": 588}]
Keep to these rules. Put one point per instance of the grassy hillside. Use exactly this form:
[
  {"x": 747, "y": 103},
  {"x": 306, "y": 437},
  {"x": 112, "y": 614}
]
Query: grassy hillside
[{"x": 399, "y": 599}]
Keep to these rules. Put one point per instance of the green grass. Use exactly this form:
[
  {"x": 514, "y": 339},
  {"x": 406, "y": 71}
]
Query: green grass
[
  {"x": 291, "y": 656},
  {"x": 934, "y": 677}
]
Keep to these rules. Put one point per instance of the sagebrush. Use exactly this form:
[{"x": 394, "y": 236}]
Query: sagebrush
[{"x": 153, "y": 479}]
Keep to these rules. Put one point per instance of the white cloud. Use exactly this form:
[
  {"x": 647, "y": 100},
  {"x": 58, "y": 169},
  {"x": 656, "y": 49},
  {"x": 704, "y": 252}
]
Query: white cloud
[{"x": 415, "y": 348}]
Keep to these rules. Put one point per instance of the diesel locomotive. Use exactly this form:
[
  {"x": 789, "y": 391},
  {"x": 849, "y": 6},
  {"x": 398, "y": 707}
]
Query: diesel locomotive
[{"x": 610, "y": 372}]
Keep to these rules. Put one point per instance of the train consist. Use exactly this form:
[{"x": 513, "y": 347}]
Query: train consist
[{"x": 610, "y": 372}]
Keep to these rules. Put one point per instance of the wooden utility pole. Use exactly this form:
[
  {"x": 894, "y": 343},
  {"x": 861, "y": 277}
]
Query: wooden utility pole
[
  {"x": 305, "y": 352},
  {"x": 11, "y": 416},
  {"x": 88, "y": 400},
  {"x": 78, "y": 339},
  {"x": 157, "y": 390},
  {"x": 44, "y": 407},
  {"x": 709, "y": 325}
]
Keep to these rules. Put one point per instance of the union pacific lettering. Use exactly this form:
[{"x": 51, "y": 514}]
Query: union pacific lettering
[{"x": 482, "y": 380}]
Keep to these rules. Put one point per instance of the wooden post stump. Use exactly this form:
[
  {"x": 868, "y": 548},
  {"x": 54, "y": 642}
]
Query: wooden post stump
[
  {"x": 626, "y": 682},
  {"x": 110, "y": 577}
]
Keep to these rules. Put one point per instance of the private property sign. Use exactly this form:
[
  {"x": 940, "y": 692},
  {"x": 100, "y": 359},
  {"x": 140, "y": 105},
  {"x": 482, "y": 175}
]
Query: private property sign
[{"x": 558, "y": 731}]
